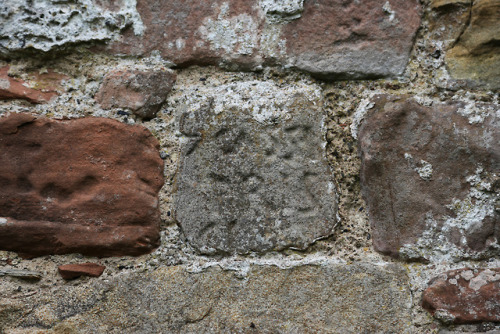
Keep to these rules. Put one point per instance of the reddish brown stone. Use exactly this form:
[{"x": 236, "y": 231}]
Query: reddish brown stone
[
  {"x": 143, "y": 92},
  {"x": 329, "y": 38},
  {"x": 85, "y": 186},
  {"x": 430, "y": 177},
  {"x": 182, "y": 29},
  {"x": 464, "y": 296},
  {"x": 353, "y": 39},
  {"x": 71, "y": 271},
  {"x": 47, "y": 86}
]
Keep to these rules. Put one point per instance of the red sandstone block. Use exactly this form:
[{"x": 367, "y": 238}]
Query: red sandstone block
[{"x": 85, "y": 186}]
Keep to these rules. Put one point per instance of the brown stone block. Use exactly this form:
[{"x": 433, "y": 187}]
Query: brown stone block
[
  {"x": 429, "y": 176},
  {"x": 71, "y": 271},
  {"x": 190, "y": 32},
  {"x": 45, "y": 88},
  {"x": 85, "y": 186},
  {"x": 464, "y": 296},
  {"x": 329, "y": 38},
  {"x": 353, "y": 39},
  {"x": 143, "y": 92}
]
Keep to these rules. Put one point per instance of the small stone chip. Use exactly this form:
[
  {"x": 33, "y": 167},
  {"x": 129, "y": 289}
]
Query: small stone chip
[{"x": 71, "y": 271}]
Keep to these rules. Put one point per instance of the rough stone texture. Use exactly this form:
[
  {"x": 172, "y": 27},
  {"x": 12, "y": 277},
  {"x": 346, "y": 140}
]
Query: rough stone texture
[
  {"x": 45, "y": 25},
  {"x": 140, "y": 294},
  {"x": 46, "y": 88},
  {"x": 254, "y": 178},
  {"x": 430, "y": 177},
  {"x": 194, "y": 32},
  {"x": 329, "y": 38},
  {"x": 71, "y": 271},
  {"x": 143, "y": 92},
  {"x": 448, "y": 20},
  {"x": 476, "y": 54},
  {"x": 353, "y": 39},
  {"x": 87, "y": 185},
  {"x": 464, "y": 296},
  {"x": 333, "y": 298},
  {"x": 22, "y": 274}
]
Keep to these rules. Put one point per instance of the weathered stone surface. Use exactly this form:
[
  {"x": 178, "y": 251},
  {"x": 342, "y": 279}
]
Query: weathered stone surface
[
  {"x": 47, "y": 86},
  {"x": 329, "y": 38},
  {"x": 143, "y": 92},
  {"x": 87, "y": 185},
  {"x": 253, "y": 173},
  {"x": 430, "y": 178},
  {"x": 353, "y": 39},
  {"x": 193, "y": 32},
  {"x": 447, "y": 20},
  {"x": 475, "y": 57},
  {"x": 11, "y": 310},
  {"x": 464, "y": 296},
  {"x": 332, "y": 298},
  {"x": 443, "y": 3},
  {"x": 20, "y": 273},
  {"x": 46, "y": 25},
  {"x": 71, "y": 271}
]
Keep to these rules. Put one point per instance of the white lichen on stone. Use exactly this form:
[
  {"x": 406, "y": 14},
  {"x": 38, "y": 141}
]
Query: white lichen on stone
[
  {"x": 281, "y": 11},
  {"x": 484, "y": 277},
  {"x": 469, "y": 215},
  {"x": 423, "y": 168},
  {"x": 46, "y": 24},
  {"x": 444, "y": 315},
  {"x": 4, "y": 83},
  {"x": 271, "y": 43},
  {"x": 387, "y": 8},
  {"x": 235, "y": 34},
  {"x": 267, "y": 101},
  {"x": 423, "y": 100},
  {"x": 474, "y": 112},
  {"x": 360, "y": 113},
  {"x": 467, "y": 275}
]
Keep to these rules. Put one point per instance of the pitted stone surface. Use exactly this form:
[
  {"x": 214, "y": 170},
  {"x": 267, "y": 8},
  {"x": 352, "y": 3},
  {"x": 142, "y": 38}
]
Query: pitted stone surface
[
  {"x": 45, "y": 25},
  {"x": 85, "y": 186},
  {"x": 254, "y": 178},
  {"x": 304, "y": 299},
  {"x": 430, "y": 178},
  {"x": 141, "y": 91},
  {"x": 464, "y": 296}
]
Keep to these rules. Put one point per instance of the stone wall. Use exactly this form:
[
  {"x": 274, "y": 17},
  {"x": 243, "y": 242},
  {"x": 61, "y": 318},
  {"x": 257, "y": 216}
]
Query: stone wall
[{"x": 258, "y": 166}]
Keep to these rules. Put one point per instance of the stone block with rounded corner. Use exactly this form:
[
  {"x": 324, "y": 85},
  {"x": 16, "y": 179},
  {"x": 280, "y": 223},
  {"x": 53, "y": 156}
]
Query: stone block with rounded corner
[
  {"x": 464, "y": 295},
  {"x": 254, "y": 178},
  {"x": 326, "y": 298},
  {"x": 86, "y": 186},
  {"x": 429, "y": 175}
]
